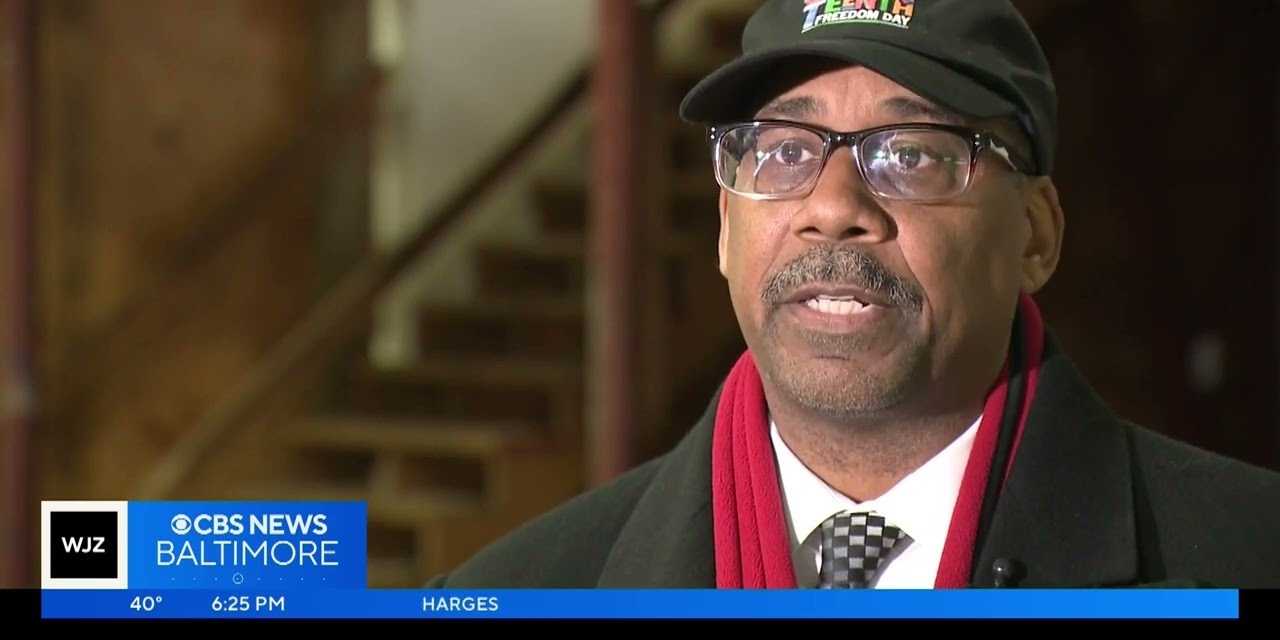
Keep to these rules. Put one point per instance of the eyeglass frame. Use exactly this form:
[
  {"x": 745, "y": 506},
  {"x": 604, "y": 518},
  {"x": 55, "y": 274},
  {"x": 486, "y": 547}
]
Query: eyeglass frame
[{"x": 979, "y": 141}]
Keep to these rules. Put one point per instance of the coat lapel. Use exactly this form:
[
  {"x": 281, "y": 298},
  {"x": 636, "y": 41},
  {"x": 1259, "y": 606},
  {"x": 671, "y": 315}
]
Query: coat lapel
[
  {"x": 668, "y": 541},
  {"x": 1066, "y": 512},
  {"x": 1065, "y": 515}
]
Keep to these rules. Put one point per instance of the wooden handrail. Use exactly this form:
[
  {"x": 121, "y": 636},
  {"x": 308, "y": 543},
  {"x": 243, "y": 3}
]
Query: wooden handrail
[{"x": 342, "y": 311}]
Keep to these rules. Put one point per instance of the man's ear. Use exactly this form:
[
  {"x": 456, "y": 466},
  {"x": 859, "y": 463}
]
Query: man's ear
[
  {"x": 1047, "y": 222},
  {"x": 723, "y": 243}
]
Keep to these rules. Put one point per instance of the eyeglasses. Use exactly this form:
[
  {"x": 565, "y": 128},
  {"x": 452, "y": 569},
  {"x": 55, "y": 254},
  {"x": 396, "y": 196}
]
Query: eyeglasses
[{"x": 781, "y": 160}]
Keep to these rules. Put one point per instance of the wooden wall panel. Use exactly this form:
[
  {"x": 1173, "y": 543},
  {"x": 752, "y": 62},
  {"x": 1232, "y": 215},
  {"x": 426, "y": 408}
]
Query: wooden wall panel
[
  {"x": 161, "y": 280},
  {"x": 1166, "y": 296}
]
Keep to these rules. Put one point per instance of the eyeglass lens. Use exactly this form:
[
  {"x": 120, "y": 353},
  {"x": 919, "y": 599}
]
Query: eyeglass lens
[{"x": 774, "y": 160}]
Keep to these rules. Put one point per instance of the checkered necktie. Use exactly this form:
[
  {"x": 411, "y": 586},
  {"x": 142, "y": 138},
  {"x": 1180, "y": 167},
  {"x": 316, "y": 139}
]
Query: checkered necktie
[{"x": 854, "y": 547}]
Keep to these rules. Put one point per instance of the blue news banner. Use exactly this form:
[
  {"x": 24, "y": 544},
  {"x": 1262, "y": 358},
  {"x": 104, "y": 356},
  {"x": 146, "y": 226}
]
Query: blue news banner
[
  {"x": 641, "y": 604},
  {"x": 307, "y": 560}
]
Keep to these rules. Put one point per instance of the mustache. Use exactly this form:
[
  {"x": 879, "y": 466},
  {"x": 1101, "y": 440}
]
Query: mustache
[{"x": 841, "y": 265}]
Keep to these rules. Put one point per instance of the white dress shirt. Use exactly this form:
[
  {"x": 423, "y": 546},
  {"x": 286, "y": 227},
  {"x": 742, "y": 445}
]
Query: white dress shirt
[{"x": 920, "y": 504}]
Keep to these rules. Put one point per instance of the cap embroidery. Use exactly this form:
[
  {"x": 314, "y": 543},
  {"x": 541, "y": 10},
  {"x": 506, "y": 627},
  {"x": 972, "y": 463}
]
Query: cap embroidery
[{"x": 818, "y": 13}]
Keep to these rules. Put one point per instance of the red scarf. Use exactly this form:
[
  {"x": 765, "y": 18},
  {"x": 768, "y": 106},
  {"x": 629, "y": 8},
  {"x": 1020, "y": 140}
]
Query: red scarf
[{"x": 751, "y": 542}]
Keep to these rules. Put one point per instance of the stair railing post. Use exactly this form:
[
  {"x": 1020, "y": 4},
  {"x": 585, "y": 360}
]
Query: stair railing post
[
  {"x": 615, "y": 300},
  {"x": 17, "y": 85}
]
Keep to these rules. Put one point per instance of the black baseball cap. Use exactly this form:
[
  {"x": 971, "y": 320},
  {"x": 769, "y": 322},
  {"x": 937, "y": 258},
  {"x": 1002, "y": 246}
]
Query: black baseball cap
[{"x": 976, "y": 57}]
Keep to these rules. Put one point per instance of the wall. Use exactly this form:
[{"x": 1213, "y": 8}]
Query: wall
[
  {"x": 162, "y": 275},
  {"x": 468, "y": 77},
  {"x": 1166, "y": 172}
]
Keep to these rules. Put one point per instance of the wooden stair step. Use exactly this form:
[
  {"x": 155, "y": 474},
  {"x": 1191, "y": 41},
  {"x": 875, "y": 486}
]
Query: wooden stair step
[
  {"x": 536, "y": 326},
  {"x": 415, "y": 436},
  {"x": 556, "y": 266},
  {"x": 396, "y": 393},
  {"x": 561, "y": 206},
  {"x": 547, "y": 246},
  {"x": 471, "y": 388},
  {"x": 571, "y": 246},
  {"x": 403, "y": 509},
  {"x": 553, "y": 265},
  {"x": 392, "y": 573},
  {"x": 515, "y": 372},
  {"x": 384, "y": 540},
  {"x": 550, "y": 307},
  {"x": 692, "y": 202}
]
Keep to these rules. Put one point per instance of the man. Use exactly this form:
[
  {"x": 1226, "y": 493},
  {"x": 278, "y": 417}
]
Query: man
[{"x": 901, "y": 419}]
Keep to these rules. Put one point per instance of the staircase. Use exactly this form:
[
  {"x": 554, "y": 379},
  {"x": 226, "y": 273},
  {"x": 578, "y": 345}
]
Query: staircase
[{"x": 485, "y": 430}]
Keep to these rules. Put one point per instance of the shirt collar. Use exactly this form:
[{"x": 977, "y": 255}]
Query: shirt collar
[{"x": 920, "y": 504}]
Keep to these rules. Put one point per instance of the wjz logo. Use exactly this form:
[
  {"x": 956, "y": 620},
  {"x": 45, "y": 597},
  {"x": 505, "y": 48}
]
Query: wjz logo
[{"x": 83, "y": 544}]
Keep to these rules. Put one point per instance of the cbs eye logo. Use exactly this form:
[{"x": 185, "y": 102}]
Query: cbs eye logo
[
  {"x": 181, "y": 524},
  {"x": 83, "y": 544}
]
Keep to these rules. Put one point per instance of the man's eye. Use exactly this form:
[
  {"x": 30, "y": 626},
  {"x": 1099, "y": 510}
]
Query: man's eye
[
  {"x": 911, "y": 157},
  {"x": 793, "y": 152}
]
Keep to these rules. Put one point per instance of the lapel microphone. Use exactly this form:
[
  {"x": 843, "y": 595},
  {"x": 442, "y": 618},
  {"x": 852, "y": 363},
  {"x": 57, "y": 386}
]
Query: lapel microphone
[{"x": 1008, "y": 572}]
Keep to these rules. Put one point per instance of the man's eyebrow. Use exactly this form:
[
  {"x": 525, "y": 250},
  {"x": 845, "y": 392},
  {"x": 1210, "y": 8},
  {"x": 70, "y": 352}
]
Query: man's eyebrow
[
  {"x": 913, "y": 109},
  {"x": 797, "y": 108}
]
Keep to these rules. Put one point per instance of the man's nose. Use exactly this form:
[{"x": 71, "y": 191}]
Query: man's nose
[{"x": 841, "y": 208}]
